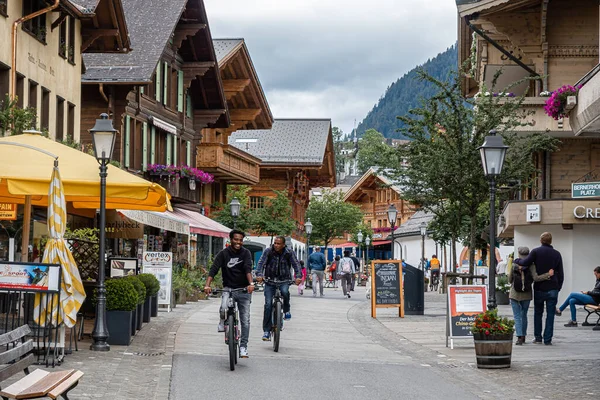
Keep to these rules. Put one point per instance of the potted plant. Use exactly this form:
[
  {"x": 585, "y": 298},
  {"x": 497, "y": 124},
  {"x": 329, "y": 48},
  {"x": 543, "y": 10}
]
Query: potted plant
[
  {"x": 556, "y": 105},
  {"x": 502, "y": 290},
  {"x": 493, "y": 337},
  {"x": 151, "y": 299},
  {"x": 121, "y": 300},
  {"x": 140, "y": 309}
]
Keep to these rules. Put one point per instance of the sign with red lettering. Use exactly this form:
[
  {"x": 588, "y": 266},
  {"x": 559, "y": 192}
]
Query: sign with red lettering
[{"x": 8, "y": 211}]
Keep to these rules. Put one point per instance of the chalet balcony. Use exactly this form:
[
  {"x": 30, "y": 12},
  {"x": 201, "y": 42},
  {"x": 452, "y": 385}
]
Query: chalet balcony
[
  {"x": 228, "y": 164},
  {"x": 178, "y": 187},
  {"x": 585, "y": 116}
]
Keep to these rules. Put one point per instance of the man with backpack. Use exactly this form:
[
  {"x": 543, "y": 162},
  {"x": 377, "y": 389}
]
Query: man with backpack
[
  {"x": 521, "y": 293},
  {"x": 345, "y": 271}
]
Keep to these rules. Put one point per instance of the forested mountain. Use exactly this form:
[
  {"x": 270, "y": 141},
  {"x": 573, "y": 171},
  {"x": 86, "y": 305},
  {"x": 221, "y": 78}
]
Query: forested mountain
[{"x": 405, "y": 94}]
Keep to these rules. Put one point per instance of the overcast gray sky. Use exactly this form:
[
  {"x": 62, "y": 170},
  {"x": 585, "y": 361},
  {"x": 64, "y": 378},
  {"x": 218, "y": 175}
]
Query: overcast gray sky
[{"x": 333, "y": 58}]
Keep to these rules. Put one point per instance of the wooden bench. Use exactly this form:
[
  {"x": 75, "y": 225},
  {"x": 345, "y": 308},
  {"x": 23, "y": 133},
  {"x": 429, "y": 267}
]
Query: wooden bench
[
  {"x": 592, "y": 310},
  {"x": 18, "y": 356}
]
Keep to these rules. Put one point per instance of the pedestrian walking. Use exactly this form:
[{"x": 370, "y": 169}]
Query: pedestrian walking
[
  {"x": 317, "y": 264},
  {"x": 333, "y": 272},
  {"x": 345, "y": 271},
  {"x": 581, "y": 299},
  {"x": 521, "y": 292},
  {"x": 545, "y": 293},
  {"x": 356, "y": 270},
  {"x": 302, "y": 284}
]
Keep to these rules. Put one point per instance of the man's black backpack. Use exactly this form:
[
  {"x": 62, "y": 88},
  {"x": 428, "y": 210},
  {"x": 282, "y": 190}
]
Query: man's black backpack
[{"x": 522, "y": 280}]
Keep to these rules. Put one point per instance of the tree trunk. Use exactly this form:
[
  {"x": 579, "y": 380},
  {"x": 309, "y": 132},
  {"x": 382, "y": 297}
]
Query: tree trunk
[
  {"x": 454, "y": 259},
  {"x": 472, "y": 245}
]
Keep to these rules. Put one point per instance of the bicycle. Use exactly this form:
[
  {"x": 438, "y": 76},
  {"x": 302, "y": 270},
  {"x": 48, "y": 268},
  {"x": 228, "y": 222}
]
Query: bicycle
[
  {"x": 434, "y": 282},
  {"x": 277, "y": 313},
  {"x": 232, "y": 329}
]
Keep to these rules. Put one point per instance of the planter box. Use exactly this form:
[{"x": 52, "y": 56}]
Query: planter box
[
  {"x": 139, "y": 316},
  {"x": 134, "y": 314},
  {"x": 154, "y": 306},
  {"x": 147, "y": 313},
  {"x": 493, "y": 351},
  {"x": 502, "y": 299},
  {"x": 119, "y": 327}
]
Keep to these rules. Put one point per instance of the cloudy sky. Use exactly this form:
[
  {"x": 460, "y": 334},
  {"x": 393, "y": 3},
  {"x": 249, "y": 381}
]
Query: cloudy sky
[{"x": 333, "y": 58}]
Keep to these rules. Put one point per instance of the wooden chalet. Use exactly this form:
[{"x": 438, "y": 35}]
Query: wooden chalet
[
  {"x": 558, "y": 41},
  {"x": 296, "y": 155}
]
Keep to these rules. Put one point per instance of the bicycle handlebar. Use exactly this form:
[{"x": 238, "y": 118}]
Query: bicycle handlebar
[
  {"x": 229, "y": 290},
  {"x": 278, "y": 282}
]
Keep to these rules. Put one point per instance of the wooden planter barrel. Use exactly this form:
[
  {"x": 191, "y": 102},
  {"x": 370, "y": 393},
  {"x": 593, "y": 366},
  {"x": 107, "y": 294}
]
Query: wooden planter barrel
[{"x": 493, "y": 351}]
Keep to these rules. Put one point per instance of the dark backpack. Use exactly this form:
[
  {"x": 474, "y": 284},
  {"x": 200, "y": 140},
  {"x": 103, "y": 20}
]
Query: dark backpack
[{"x": 522, "y": 280}]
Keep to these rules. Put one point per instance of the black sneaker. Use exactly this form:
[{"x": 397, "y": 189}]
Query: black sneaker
[
  {"x": 571, "y": 324},
  {"x": 548, "y": 343},
  {"x": 537, "y": 341}
]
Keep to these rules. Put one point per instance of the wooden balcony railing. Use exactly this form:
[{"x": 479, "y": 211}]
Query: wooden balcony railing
[{"x": 228, "y": 164}]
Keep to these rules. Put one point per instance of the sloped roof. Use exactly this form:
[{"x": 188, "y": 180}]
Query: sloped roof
[
  {"x": 150, "y": 24},
  {"x": 85, "y": 5},
  {"x": 290, "y": 141},
  {"x": 225, "y": 48},
  {"x": 375, "y": 172},
  {"x": 413, "y": 225}
]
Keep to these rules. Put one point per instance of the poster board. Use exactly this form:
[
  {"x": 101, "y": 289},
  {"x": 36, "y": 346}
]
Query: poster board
[
  {"x": 387, "y": 287},
  {"x": 160, "y": 264},
  {"x": 122, "y": 266},
  {"x": 465, "y": 302},
  {"x": 30, "y": 277}
]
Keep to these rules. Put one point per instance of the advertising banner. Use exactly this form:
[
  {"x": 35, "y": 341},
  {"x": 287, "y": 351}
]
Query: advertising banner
[
  {"x": 160, "y": 264},
  {"x": 464, "y": 303},
  {"x": 123, "y": 266},
  {"x": 30, "y": 277}
]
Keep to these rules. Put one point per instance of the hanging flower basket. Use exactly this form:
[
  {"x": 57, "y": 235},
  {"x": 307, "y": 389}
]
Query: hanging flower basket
[{"x": 557, "y": 102}]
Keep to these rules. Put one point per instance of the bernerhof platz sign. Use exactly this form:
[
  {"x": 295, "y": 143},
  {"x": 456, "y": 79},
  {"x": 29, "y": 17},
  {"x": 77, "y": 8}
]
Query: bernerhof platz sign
[{"x": 585, "y": 190}]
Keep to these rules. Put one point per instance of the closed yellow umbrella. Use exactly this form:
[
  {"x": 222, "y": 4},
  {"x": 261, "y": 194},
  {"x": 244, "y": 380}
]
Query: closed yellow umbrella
[{"x": 72, "y": 293}]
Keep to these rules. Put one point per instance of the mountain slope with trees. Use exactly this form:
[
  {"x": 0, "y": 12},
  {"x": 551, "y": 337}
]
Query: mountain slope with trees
[{"x": 405, "y": 94}]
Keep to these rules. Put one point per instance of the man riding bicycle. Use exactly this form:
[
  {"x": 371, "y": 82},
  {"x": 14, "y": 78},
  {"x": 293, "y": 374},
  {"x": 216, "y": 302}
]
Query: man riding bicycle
[
  {"x": 235, "y": 263},
  {"x": 276, "y": 263},
  {"x": 434, "y": 266}
]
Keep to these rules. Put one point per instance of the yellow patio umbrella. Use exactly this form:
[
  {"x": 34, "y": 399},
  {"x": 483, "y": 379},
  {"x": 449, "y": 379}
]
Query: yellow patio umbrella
[{"x": 72, "y": 293}]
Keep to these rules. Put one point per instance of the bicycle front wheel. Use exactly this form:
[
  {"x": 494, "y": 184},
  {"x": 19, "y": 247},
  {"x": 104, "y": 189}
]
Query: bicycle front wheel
[
  {"x": 231, "y": 340},
  {"x": 277, "y": 324}
]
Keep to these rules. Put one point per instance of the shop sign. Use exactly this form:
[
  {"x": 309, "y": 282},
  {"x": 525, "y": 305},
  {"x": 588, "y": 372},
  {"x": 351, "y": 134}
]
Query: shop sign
[
  {"x": 8, "y": 212},
  {"x": 160, "y": 264},
  {"x": 583, "y": 212},
  {"x": 30, "y": 276},
  {"x": 118, "y": 226},
  {"x": 585, "y": 189}
]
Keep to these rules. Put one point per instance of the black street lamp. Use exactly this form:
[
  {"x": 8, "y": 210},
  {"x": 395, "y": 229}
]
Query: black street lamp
[
  {"x": 367, "y": 243},
  {"x": 103, "y": 139},
  {"x": 392, "y": 213},
  {"x": 359, "y": 239},
  {"x": 308, "y": 229},
  {"x": 423, "y": 228},
  {"x": 235, "y": 210},
  {"x": 493, "y": 152}
]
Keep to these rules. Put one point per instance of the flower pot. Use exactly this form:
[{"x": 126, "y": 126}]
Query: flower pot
[
  {"x": 493, "y": 351},
  {"x": 119, "y": 327},
  {"x": 154, "y": 306},
  {"x": 502, "y": 299},
  {"x": 147, "y": 309},
  {"x": 139, "y": 316}
]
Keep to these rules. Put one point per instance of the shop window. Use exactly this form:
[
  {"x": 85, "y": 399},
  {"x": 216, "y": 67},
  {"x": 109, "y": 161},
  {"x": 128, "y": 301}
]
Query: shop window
[
  {"x": 71, "y": 42},
  {"x": 62, "y": 39},
  {"x": 33, "y": 88},
  {"x": 45, "y": 110},
  {"x": 35, "y": 26},
  {"x": 4, "y": 81},
  {"x": 71, "y": 121},
  {"x": 20, "y": 90},
  {"x": 60, "y": 119},
  {"x": 257, "y": 202},
  {"x": 3, "y": 7}
]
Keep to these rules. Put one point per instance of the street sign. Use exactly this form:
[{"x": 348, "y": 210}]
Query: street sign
[
  {"x": 8, "y": 211},
  {"x": 585, "y": 190}
]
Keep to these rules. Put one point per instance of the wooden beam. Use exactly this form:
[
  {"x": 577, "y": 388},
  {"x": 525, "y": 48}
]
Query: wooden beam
[
  {"x": 244, "y": 114},
  {"x": 61, "y": 17},
  {"x": 231, "y": 87},
  {"x": 204, "y": 118},
  {"x": 95, "y": 34},
  {"x": 183, "y": 31},
  {"x": 192, "y": 70}
]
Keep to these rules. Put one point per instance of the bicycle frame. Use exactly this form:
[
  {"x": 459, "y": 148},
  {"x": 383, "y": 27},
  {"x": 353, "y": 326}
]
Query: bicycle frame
[
  {"x": 232, "y": 329},
  {"x": 277, "y": 310}
]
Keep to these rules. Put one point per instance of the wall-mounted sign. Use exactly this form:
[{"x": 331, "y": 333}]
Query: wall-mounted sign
[
  {"x": 583, "y": 212},
  {"x": 534, "y": 213},
  {"x": 30, "y": 277},
  {"x": 585, "y": 189},
  {"x": 8, "y": 212}
]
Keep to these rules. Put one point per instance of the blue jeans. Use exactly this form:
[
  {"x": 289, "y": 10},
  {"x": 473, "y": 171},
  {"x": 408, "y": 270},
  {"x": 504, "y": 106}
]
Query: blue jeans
[
  {"x": 269, "y": 293},
  {"x": 576, "y": 299},
  {"x": 520, "y": 315},
  {"x": 243, "y": 301},
  {"x": 550, "y": 299}
]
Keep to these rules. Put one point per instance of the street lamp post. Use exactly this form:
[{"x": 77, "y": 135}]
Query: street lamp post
[
  {"x": 359, "y": 238},
  {"x": 493, "y": 152},
  {"x": 235, "y": 210},
  {"x": 308, "y": 229},
  {"x": 392, "y": 214},
  {"x": 103, "y": 139},
  {"x": 423, "y": 233},
  {"x": 367, "y": 243}
]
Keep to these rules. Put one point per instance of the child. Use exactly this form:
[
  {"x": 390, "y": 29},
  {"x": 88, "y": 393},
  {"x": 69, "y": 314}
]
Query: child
[{"x": 303, "y": 283}]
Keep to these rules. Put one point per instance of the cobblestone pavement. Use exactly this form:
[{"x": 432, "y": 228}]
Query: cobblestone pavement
[{"x": 141, "y": 370}]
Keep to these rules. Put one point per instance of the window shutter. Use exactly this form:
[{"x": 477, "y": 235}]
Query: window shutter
[
  {"x": 189, "y": 153},
  {"x": 175, "y": 148},
  {"x": 127, "y": 139},
  {"x": 141, "y": 89},
  {"x": 165, "y": 83},
  {"x": 145, "y": 146},
  {"x": 152, "y": 144},
  {"x": 180, "y": 91},
  {"x": 158, "y": 85},
  {"x": 169, "y": 149},
  {"x": 189, "y": 106}
]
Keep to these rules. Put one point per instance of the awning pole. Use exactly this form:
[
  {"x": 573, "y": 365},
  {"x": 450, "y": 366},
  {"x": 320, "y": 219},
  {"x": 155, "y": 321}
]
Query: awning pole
[{"x": 26, "y": 230}]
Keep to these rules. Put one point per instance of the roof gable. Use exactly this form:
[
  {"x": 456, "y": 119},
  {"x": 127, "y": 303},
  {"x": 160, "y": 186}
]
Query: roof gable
[
  {"x": 372, "y": 175},
  {"x": 226, "y": 48}
]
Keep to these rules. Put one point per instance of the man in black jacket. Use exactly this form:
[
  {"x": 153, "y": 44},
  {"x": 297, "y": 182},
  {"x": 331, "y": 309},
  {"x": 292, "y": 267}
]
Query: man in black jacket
[
  {"x": 545, "y": 293},
  {"x": 235, "y": 263}
]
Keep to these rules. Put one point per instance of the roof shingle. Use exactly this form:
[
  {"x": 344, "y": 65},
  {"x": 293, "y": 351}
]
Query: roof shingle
[{"x": 226, "y": 47}]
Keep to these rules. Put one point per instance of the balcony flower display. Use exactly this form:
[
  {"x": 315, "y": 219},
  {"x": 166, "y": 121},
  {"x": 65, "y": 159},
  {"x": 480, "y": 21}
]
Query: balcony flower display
[
  {"x": 555, "y": 105},
  {"x": 196, "y": 174},
  {"x": 163, "y": 170}
]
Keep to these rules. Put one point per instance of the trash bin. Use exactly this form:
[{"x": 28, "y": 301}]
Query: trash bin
[{"x": 414, "y": 298}]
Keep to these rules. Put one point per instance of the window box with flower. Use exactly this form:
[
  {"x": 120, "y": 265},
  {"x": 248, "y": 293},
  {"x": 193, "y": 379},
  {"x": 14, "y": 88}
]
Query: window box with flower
[
  {"x": 561, "y": 101},
  {"x": 493, "y": 337},
  {"x": 163, "y": 170}
]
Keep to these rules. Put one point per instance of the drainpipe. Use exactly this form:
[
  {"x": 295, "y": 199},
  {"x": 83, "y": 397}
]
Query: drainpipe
[
  {"x": 497, "y": 45},
  {"x": 13, "y": 72},
  {"x": 101, "y": 89}
]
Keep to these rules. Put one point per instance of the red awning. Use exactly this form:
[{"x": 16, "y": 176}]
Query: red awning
[
  {"x": 375, "y": 242},
  {"x": 201, "y": 224},
  {"x": 345, "y": 245}
]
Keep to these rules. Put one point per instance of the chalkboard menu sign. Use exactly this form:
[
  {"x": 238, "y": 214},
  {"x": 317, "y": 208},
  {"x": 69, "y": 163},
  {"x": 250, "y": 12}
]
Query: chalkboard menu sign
[{"x": 386, "y": 285}]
